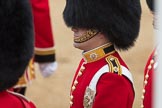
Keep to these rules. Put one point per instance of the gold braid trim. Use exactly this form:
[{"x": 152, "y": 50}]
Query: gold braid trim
[{"x": 48, "y": 52}]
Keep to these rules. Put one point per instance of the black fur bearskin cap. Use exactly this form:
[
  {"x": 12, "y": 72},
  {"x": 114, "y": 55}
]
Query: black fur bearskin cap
[
  {"x": 16, "y": 40},
  {"x": 119, "y": 20},
  {"x": 150, "y": 4}
]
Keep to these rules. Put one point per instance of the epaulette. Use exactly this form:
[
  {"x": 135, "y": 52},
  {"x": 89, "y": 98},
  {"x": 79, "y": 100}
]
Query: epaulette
[{"x": 114, "y": 65}]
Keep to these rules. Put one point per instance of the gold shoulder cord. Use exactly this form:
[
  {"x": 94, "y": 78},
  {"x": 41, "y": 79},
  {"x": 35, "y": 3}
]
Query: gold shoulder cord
[{"x": 114, "y": 65}]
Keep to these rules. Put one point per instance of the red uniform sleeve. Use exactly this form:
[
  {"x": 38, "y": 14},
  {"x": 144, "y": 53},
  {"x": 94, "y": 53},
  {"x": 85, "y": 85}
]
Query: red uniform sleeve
[
  {"x": 117, "y": 92},
  {"x": 44, "y": 39}
]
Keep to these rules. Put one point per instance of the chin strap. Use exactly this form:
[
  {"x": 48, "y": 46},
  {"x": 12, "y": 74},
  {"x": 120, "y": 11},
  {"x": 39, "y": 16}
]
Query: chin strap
[{"x": 88, "y": 35}]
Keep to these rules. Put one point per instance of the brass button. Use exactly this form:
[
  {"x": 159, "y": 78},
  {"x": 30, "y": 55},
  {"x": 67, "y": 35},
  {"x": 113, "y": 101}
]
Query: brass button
[
  {"x": 80, "y": 73},
  {"x": 75, "y": 82},
  {"x": 73, "y": 88},
  {"x": 71, "y": 97},
  {"x": 71, "y": 103}
]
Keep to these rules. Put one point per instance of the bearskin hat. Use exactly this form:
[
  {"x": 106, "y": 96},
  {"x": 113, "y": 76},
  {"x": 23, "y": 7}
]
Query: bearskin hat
[
  {"x": 16, "y": 40},
  {"x": 119, "y": 20},
  {"x": 150, "y": 4}
]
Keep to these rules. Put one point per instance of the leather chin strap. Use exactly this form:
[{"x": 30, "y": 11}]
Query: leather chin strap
[{"x": 87, "y": 36}]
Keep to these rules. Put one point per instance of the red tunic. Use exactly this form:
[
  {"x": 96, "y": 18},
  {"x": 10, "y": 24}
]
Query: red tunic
[
  {"x": 112, "y": 90},
  {"x": 147, "y": 92},
  {"x": 12, "y": 100}
]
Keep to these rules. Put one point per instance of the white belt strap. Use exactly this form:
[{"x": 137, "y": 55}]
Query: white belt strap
[
  {"x": 91, "y": 89},
  {"x": 105, "y": 69}
]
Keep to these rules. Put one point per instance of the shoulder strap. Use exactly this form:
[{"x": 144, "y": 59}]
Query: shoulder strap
[
  {"x": 113, "y": 66},
  {"x": 26, "y": 102}
]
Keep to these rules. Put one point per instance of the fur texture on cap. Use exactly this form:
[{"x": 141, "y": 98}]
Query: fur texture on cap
[
  {"x": 16, "y": 40},
  {"x": 119, "y": 20},
  {"x": 150, "y": 4}
]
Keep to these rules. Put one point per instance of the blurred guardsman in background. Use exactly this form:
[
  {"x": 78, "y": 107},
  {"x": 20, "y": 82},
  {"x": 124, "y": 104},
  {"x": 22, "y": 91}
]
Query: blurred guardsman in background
[
  {"x": 150, "y": 67},
  {"x": 44, "y": 45},
  {"x": 16, "y": 47},
  {"x": 101, "y": 27},
  {"x": 44, "y": 38}
]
